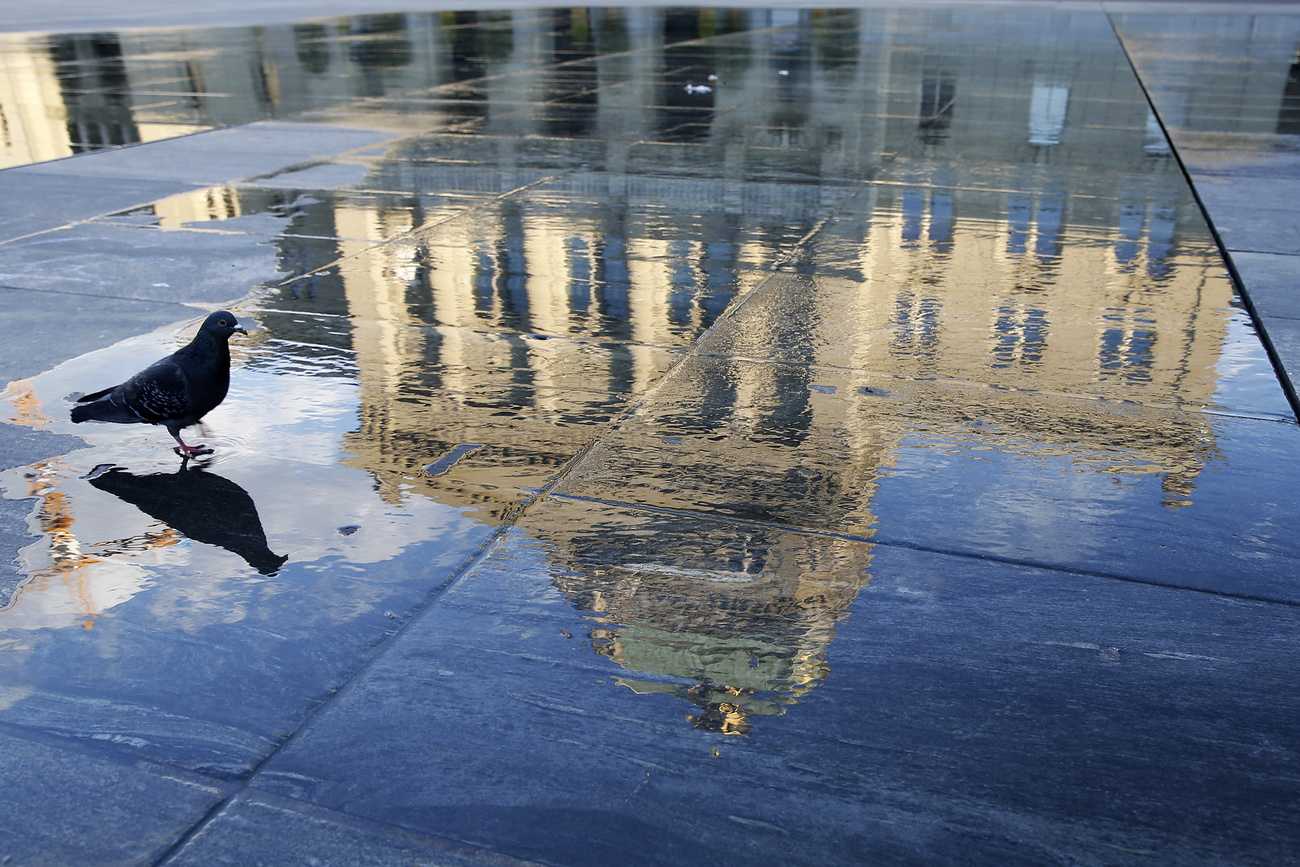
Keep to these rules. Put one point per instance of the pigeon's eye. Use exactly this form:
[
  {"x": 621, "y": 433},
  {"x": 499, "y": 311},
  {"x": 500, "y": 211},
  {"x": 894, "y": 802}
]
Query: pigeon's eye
[{"x": 222, "y": 322}]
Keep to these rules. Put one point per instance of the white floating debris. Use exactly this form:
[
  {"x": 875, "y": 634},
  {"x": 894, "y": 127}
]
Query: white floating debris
[
  {"x": 698, "y": 88},
  {"x": 783, "y": 72},
  {"x": 713, "y": 78}
]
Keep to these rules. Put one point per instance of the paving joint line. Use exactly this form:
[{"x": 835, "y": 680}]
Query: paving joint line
[
  {"x": 1279, "y": 368},
  {"x": 102, "y": 751}
]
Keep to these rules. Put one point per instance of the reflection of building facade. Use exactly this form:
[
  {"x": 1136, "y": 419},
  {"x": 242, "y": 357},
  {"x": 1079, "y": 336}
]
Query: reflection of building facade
[
  {"x": 65, "y": 94},
  {"x": 651, "y": 258},
  {"x": 33, "y": 120},
  {"x": 639, "y": 262},
  {"x": 563, "y": 236}
]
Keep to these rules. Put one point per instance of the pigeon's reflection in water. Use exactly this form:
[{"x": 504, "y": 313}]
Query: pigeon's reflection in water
[{"x": 199, "y": 504}]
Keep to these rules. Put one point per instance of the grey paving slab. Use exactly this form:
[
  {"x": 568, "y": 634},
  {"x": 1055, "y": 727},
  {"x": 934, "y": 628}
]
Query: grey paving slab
[
  {"x": 72, "y": 807},
  {"x": 161, "y": 651},
  {"x": 1225, "y": 154},
  {"x": 111, "y": 261},
  {"x": 87, "y": 322},
  {"x": 30, "y": 203},
  {"x": 1253, "y": 214},
  {"x": 964, "y": 538},
  {"x": 1284, "y": 335},
  {"x": 700, "y": 689},
  {"x": 251, "y": 830},
  {"x": 1273, "y": 281},
  {"x": 268, "y": 593},
  {"x": 217, "y": 156}
]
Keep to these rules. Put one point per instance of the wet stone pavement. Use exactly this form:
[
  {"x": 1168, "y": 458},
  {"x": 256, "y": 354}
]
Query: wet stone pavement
[{"x": 667, "y": 437}]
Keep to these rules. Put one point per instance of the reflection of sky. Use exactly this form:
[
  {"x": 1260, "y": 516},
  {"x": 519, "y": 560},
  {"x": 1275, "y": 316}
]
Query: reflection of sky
[
  {"x": 112, "y": 570},
  {"x": 279, "y": 440},
  {"x": 1244, "y": 374}
]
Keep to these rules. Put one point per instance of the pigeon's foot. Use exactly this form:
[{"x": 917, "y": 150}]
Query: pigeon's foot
[{"x": 191, "y": 451}]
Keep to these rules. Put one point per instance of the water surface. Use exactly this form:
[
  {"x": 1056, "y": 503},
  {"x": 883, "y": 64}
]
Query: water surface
[{"x": 706, "y": 304}]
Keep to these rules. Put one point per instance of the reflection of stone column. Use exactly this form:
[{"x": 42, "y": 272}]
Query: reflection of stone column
[{"x": 33, "y": 118}]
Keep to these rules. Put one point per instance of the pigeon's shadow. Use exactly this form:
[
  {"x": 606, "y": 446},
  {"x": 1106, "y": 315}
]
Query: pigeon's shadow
[{"x": 200, "y": 505}]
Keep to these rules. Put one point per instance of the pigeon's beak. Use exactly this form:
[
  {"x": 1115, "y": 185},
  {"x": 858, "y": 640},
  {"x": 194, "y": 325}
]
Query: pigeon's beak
[{"x": 241, "y": 329}]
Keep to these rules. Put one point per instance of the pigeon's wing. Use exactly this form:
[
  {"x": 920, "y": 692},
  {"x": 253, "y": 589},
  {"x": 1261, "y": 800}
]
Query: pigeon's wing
[
  {"x": 158, "y": 393},
  {"x": 97, "y": 395}
]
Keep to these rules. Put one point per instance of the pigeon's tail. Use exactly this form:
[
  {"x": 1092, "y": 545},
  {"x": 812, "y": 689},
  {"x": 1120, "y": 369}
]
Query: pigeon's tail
[{"x": 102, "y": 407}]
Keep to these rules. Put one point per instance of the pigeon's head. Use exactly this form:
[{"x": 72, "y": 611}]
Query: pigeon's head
[{"x": 222, "y": 324}]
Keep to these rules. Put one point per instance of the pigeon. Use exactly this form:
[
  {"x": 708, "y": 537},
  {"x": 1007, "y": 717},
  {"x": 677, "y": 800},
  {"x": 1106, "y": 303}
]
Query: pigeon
[{"x": 176, "y": 391}]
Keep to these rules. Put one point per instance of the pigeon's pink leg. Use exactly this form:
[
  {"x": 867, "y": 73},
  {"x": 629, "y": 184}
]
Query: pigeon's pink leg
[{"x": 190, "y": 451}]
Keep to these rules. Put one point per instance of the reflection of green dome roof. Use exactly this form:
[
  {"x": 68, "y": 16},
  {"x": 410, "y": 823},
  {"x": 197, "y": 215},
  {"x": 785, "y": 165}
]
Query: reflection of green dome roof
[
  {"x": 736, "y": 677},
  {"x": 738, "y": 661}
]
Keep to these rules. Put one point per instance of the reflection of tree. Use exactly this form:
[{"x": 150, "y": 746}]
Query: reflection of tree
[
  {"x": 380, "y": 42},
  {"x": 836, "y": 37},
  {"x": 734, "y": 619},
  {"x": 311, "y": 43}
]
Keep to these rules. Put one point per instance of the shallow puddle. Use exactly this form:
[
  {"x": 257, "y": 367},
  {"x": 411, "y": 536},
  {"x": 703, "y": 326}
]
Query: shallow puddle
[{"x": 737, "y": 306}]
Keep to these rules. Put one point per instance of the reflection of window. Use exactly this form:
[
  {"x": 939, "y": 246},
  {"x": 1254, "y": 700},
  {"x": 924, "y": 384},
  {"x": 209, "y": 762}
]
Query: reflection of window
[
  {"x": 1020, "y": 336},
  {"x": 1130, "y": 229},
  {"x": 1019, "y": 213},
  {"x": 484, "y": 276},
  {"x": 1044, "y": 221},
  {"x": 916, "y": 325},
  {"x": 682, "y": 282},
  {"x": 1127, "y": 350},
  {"x": 615, "y": 279},
  {"x": 1160, "y": 227},
  {"x": 1288, "y": 114},
  {"x": 941, "y": 218},
  {"x": 1160, "y": 242},
  {"x": 580, "y": 276},
  {"x": 1050, "y": 214},
  {"x": 913, "y": 211},
  {"x": 92, "y": 81},
  {"x": 1047, "y": 113},
  {"x": 938, "y": 91}
]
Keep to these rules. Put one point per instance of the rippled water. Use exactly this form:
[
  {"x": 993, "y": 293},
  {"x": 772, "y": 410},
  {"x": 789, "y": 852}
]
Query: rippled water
[{"x": 884, "y": 281}]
